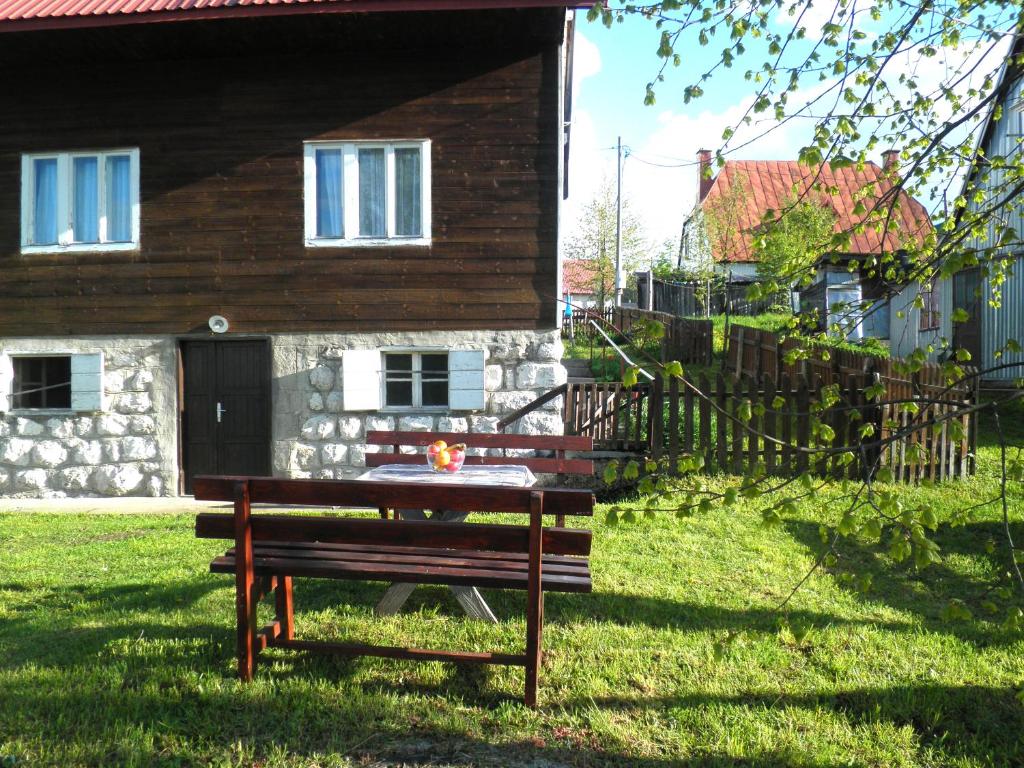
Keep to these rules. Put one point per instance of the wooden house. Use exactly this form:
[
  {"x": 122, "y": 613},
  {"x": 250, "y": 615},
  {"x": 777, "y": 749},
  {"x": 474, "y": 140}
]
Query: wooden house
[
  {"x": 989, "y": 332},
  {"x": 744, "y": 192},
  {"x": 234, "y": 236}
]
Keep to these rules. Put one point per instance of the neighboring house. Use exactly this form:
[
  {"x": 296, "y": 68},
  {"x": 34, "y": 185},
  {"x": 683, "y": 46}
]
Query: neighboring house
[
  {"x": 745, "y": 190},
  {"x": 233, "y": 241},
  {"x": 580, "y": 281},
  {"x": 988, "y": 329}
]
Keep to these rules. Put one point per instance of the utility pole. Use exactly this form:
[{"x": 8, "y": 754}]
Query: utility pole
[{"x": 618, "y": 226}]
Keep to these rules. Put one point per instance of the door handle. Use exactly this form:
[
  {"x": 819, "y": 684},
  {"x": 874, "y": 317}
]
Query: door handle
[{"x": 220, "y": 413}]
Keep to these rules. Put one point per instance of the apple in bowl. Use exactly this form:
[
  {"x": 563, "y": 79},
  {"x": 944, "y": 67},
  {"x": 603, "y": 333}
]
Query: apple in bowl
[{"x": 442, "y": 457}]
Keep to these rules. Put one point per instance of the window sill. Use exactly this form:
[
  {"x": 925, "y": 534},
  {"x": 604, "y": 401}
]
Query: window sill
[
  {"x": 394, "y": 242},
  {"x": 414, "y": 409},
  {"x": 80, "y": 248},
  {"x": 23, "y": 412}
]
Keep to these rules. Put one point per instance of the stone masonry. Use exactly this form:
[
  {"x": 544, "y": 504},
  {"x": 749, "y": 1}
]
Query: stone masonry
[
  {"x": 128, "y": 449},
  {"x": 314, "y": 437}
]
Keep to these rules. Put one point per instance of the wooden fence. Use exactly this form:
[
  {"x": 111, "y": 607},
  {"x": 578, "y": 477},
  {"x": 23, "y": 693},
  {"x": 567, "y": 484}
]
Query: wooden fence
[
  {"x": 687, "y": 340},
  {"x": 704, "y": 298},
  {"x": 744, "y": 422},
  {"x": 755, "y": 352}
]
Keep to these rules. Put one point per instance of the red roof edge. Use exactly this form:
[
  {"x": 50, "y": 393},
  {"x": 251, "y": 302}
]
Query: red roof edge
[{"x": 252, "y": 11}]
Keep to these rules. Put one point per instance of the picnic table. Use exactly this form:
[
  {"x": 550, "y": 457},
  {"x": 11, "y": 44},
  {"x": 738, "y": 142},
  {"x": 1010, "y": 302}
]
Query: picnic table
[{"x": 509, "y": 475}]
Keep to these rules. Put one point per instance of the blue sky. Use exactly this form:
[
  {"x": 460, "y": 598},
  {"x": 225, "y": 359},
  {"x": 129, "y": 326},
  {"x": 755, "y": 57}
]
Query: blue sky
[{"x": 612, "y": 68}]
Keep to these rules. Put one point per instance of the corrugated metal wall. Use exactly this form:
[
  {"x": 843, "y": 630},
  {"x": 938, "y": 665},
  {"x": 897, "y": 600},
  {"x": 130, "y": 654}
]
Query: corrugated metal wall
[{"x": 998, "y": 325}]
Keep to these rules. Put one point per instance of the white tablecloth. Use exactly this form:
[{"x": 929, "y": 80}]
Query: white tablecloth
[{"x": 512, "y": 475}]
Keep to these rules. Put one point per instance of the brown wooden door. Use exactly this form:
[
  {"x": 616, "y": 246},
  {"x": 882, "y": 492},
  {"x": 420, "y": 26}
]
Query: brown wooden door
[
  {"x": 225, "y": 421},
  {"x": 967, "y": 296}
]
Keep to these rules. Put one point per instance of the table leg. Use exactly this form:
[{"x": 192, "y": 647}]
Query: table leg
[
  {"x": 469, "y": 598},
  {"x": 394, "y": 599},
  {"x": 473, "y": 604}
]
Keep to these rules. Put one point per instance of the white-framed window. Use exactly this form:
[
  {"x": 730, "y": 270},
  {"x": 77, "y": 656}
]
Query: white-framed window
[
  {"x": 360, "y": 193},
  {"x": 415, "y": 380},
  {"x": 80, "y": 201},
  {"x": 51, "y": 381}
]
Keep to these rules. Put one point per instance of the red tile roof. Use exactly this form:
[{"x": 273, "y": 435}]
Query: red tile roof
[
  {"x": 770, "y": 184},
  {"x": 579, "y": 277},
  {"x": 54, "y": 14}
]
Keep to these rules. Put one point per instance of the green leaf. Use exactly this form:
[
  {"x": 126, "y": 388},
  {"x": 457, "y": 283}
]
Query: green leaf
[
  {"x": 611, "y": 472},
  {"x": 612, "y": 518}
]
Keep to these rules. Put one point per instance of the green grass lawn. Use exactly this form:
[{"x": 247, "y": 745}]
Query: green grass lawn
[{"x": 116, "y": 648}]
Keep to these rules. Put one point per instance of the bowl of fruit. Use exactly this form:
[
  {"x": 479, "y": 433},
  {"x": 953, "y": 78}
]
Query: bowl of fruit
[{"x": 442, "y": 457}]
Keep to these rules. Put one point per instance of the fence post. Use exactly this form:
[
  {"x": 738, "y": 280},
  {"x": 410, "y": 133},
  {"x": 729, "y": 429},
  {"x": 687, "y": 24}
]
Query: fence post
[{"x": 656, "y": 417}]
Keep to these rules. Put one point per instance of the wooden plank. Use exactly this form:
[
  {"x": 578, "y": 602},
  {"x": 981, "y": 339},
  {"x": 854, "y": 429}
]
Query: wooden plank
[
  {"x": 787, "y": 417},
  {"x": 534, "y": 599},
  {"x": 484, "y": 536},
  {"x": 803, "y": 426},
  {"x": 656, "y": 417},
  {"x": 239, "y": 526},
  {"x": 688, "y": 419},
  {"x": 704, "y": 407},
  {"x": 756, "y": 423},
  {"x": 412, "y": 654},
  {"x": 770, "y": 422},
  {"x": 374, "y": 495},
  {"x": 722, "y": 421},
  {"x": 737, "y": 427},
  {"x": 544, "y": 464},
  {"x": 673, "y": 424},
  {"x": 482, "y": 440}
]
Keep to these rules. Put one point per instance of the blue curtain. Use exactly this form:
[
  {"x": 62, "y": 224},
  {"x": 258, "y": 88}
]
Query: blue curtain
[
  {"x": 119, "y": 199},
  {"x": 44, "y": 230},
  {"x": 372, "y": 193},
  {"x": 328, "y": 193},
  {"x": 408, "y": 212},
  {"x": 85, "y": 219}
]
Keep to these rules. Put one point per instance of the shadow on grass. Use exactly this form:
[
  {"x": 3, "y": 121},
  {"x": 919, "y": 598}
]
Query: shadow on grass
[
  {"x": 924, "y": 593},
  {"x": 979, "y": 723},
  {"x": 374, "y": 723}
]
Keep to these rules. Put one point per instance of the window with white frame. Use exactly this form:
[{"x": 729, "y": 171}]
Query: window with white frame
[
  {"x": 367, "y": 193},
  {"x": 416, "y": 379},
  {"x": 80, "y": 201}
]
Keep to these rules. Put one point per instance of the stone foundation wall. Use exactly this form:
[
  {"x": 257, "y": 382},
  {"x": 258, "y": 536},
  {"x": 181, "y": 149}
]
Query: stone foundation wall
[
  {"x": 314, "y": 437},
  {"x": 129, "y": 448}
]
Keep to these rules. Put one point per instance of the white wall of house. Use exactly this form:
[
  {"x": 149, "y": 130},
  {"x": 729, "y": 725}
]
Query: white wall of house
[{"x": 126, "y": 442}]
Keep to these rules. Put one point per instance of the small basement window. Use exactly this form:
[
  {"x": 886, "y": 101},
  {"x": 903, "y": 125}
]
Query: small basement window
[
  {"x": 416, "y": 379},
  {"x": 80, "y": 201},
  {"x": 367, "y": 193},
  {"x": 41, "y": 383}
]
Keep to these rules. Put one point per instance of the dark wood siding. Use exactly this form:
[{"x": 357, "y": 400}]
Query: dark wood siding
[{"x": 220, "y": 111}]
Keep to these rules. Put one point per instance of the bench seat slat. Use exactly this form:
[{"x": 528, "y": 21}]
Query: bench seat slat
[
  {"x": 485, "y": 536},
  {"x": 576, "y": 568},
  {"x": 423, "y": 573},
  {"x": 390, "y": 549}
]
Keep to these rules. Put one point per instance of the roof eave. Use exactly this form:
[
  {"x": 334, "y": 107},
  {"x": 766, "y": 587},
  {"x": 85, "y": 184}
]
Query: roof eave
[{"x": 40, "y": 23}]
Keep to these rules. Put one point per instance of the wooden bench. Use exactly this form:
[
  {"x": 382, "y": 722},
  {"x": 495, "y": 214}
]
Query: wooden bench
[
  {"x": 271, "y": 549},
  {"x": 559, "y": 464}
]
